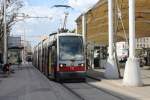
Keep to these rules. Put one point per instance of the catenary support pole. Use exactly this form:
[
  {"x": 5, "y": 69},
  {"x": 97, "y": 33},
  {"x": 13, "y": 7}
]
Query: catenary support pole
[
  {"x": 132, "y": 76},
  {"x": 111, "y": 71},
  {"x": 76, "y": 30},
  {"x": 84, "y": 26},
  {"x": 5, "y": 34},
  {"x": 84, "y": 30}
]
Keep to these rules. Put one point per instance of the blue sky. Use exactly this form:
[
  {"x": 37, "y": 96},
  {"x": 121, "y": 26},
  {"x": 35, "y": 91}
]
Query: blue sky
[{"x": 32, "y": 28}]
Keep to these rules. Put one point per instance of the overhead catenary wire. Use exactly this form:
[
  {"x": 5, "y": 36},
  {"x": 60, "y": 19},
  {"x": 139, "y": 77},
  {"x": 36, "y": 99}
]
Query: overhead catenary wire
[
  {"x": 118, "y": 13},
  {"x": 115, "y": 38},
  {"x": 121, "y": 19}
]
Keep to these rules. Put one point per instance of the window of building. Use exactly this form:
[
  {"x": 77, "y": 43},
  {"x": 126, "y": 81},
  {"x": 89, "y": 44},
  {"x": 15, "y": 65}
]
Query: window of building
[
  {"x": 140, "y": 45},
  {"x": 143, "y": 45},
  {"x": 137, "y": 46}
]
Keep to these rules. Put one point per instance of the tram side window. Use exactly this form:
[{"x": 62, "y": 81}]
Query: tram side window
[{"x": 54, "y": 54}]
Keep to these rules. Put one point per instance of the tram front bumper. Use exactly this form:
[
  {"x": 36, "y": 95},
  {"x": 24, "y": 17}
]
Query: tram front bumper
[{"x": 71, "y": 75}]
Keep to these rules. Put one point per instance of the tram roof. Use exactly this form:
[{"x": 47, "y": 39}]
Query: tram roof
[
  {"x": 68, "y": 34},
  {"x": 97, "y": 21},
  {"x": 52, "y": 37}
]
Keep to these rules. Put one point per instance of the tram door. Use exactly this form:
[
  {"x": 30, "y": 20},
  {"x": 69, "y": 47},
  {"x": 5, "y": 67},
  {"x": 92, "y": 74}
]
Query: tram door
[
  {"x": 46, "y": 62},
  {"x": 51, "y": 61}
]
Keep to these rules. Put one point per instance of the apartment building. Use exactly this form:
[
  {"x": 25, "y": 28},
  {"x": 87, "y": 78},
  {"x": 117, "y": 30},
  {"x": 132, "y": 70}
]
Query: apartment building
[{"x": 143, "y": 42}]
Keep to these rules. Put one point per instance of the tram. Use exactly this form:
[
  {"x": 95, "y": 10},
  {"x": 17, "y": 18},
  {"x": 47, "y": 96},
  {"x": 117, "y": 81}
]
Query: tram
[{"x": 61, "y": 56}]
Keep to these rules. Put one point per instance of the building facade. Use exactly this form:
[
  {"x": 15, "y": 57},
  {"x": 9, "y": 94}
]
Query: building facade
[
  {"x": 14, "y": 50},
  {"x": 97, "y": 21},
  {"x": 122, "y": 50},
  {"x": 27, "y": 51},
  {"x": 143, "y": 42}
]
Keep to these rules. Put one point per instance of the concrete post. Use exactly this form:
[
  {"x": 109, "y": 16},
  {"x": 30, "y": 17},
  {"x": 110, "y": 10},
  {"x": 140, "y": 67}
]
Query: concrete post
[
  {"x": 111, "y": 71},
  {"x": 76, "y": 29},
  {"x": 132, "y": 76},
  {"x": 5, "y": 34},
  {"x": 22, "y": 57},
  {"x": 84, "y": 26}
]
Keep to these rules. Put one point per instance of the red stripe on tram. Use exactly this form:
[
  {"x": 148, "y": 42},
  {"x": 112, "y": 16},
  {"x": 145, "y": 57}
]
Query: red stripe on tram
[{"x": 72, "y": 68}]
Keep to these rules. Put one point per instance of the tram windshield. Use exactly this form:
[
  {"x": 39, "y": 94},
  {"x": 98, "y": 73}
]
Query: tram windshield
[{"x": 71, "y": 48}]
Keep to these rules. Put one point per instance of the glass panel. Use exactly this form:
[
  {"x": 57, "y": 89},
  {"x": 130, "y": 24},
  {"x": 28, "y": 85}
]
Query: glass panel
[{"x": 71, "y": 48}]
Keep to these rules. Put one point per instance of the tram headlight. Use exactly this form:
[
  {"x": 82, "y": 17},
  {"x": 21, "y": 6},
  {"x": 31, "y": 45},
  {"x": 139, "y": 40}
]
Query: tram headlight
[
  {"x": 62, "y": 65},
  {"x": 82, "y": 64}
]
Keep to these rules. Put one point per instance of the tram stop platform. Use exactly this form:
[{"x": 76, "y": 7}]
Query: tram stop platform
[
  {"x": 116, "y": 86},
  {"x": 27, "y": 83}
]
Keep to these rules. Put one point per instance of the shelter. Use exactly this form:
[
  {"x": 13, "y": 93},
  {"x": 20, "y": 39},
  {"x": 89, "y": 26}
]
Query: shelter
[{"x": 97, "y": 21}]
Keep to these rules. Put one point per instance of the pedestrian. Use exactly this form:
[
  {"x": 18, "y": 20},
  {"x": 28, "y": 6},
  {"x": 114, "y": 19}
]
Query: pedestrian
[
  {"x": 146, "y": 60},
  {"x": 6, "y": 69}
]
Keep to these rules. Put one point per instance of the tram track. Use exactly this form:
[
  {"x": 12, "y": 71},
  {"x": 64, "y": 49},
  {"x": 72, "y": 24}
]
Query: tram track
[
  {"x": 93, "y": 78},
  {"x": 73, "y": 92},
  {"x": 87, "y": 87},
  {"x": 105, "y": 91}
]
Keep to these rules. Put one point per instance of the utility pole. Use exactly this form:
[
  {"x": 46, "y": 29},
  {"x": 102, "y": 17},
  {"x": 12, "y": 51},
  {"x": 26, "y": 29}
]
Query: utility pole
[
  {"x": 84, "y": 26},
  {"x": 132, "y": 74},
  {"x": 84, "y": 31},
  {"x": 76, "y": 29},
  {"x": 111, "y": 71},
  {"x": 24, "y": 43},
  {"x": 5, "y": 34}
]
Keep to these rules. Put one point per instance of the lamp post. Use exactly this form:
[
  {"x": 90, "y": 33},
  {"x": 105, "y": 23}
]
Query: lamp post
[{"x": 5, "y": 34}]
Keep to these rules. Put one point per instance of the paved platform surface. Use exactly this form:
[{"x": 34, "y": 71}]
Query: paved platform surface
[
  {"x": 27, "y": 83},
  {"x": 116, "y": 86}
]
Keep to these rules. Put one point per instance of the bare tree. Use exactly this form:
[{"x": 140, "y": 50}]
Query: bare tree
[{"x": 12, "y": 8}]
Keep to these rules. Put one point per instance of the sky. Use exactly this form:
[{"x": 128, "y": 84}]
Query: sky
[{"x": 33, "y": 28}]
